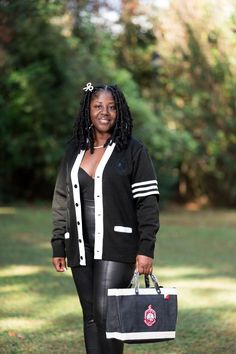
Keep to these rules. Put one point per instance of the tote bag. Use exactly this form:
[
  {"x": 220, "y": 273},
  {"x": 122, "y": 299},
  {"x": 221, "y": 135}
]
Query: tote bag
[{"x": 142, "y": 315}]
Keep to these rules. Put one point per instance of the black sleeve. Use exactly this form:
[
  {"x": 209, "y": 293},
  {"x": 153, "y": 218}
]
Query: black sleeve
[
  {"x": 59, "y": 211},
  {"x": 146, "y": 195}
]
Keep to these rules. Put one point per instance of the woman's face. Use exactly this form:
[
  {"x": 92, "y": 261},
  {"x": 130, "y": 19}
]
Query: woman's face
[{"x": 103, "y": 112}]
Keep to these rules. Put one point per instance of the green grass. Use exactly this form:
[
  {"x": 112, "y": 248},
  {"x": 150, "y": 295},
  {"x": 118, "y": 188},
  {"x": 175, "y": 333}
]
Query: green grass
[{"x": 40, "y": 312}]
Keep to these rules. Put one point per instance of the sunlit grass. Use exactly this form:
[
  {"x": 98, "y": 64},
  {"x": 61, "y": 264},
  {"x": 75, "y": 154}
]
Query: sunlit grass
[
  {"x": 39, "y": 308},
  {"x": 12, "y": 270},
  {"x": 7, "y": 210},
  {"x": 199, "y": 292},
  {"x": 21, "y": 324}
]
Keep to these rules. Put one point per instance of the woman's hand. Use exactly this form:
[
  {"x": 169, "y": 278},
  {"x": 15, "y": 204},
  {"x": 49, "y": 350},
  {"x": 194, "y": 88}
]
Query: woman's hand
[
  {"x": 144, "y": 264},
  {"x": 59, "y": 264}
]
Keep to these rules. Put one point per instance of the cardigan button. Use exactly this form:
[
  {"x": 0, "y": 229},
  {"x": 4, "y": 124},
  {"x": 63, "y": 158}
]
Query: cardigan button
[
  {"x": 78, "y": 222},
  {"x": 76, "y": 204},
  {"x": 81, "y": 257},
  {"x": 75, "y": 186},
  {"x": 80, "y": 240}
]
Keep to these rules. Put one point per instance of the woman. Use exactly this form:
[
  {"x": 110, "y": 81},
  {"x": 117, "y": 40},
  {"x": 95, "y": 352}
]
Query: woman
[{"x": 105, "y": 209}]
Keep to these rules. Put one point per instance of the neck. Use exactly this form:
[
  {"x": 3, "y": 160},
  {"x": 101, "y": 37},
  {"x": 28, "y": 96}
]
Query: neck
[{"x": 100, "y": 139}]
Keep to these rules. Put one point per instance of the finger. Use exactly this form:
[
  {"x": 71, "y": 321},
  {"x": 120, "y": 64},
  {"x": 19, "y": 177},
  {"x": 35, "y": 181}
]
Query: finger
[
  {"x": 63, "y": 265},
  {"x": 137, "y": 266},
  {"x": 148, "y": 270},
  {"x": 141, "y": 269},
  {"x": 60, "y": 268},
  {"x": 59, "y": 264}
]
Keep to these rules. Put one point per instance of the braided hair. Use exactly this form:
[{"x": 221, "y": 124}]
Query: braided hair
[{"x": 83, "y": 131}]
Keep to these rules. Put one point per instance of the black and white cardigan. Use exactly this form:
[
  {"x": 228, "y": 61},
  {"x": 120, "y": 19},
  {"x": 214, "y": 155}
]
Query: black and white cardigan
[{"x": 126, "y": 206}]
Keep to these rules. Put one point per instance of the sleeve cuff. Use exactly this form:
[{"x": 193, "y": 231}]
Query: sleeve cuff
[
  {"x": 58, "y": 249},
  {"x": 146, "y": 248}
]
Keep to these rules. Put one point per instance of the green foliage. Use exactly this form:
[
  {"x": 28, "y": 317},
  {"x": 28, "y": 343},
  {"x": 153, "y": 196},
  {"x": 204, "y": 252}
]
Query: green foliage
[
  {"x": 37, "y": 84},
  {"x": 43, "y": 74},
  {"x": 181, "y": 91},
  {"x": 201, "y": 101},
  {"x": 191, "y": 89}
]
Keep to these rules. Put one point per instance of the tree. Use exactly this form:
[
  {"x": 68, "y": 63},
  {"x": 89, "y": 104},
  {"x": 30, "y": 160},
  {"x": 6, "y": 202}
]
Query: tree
[
  {"x": 44, "y": 68},
  {"x": 49, "y": 52},
  {"x": 198, "y": 94}
]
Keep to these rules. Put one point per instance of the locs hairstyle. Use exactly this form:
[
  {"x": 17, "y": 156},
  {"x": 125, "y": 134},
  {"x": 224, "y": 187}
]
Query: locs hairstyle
[{"x": 83, "y": 133}]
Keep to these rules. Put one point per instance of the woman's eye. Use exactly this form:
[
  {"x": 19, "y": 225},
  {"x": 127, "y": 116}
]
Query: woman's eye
[{"x": 100, "y": 107}]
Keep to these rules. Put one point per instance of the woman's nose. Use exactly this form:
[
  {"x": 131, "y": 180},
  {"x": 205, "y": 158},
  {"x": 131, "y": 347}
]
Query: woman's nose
[{"x": 105, "y": 110}]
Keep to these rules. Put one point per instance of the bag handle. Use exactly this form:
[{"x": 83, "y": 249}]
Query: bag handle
[{"x": 147, "y": 282}]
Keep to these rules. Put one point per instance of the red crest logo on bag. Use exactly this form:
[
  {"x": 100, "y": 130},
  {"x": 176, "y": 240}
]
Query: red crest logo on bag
[{"x": 150, "y": 316}]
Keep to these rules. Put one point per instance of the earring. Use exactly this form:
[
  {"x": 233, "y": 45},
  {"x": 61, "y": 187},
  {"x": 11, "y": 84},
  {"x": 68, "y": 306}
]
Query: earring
[{"x": 91, "y": 125}]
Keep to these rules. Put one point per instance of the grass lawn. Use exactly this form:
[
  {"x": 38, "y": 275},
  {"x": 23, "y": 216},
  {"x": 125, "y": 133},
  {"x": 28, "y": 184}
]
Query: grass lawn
[{"x": 40, "y": 312}]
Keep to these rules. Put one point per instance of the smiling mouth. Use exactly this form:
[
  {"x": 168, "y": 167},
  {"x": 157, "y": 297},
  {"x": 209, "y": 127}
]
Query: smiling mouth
[{"x": 104, "y": 120}]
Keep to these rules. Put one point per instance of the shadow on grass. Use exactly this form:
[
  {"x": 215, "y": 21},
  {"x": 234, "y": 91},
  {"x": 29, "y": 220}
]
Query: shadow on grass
[
  {"x": 38, "y": 292},
  {"x": 25, "y": 238}
]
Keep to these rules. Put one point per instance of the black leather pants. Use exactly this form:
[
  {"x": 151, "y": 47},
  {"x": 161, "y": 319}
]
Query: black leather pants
[{"x": 92, "y": 282}]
